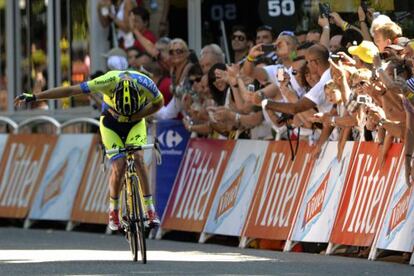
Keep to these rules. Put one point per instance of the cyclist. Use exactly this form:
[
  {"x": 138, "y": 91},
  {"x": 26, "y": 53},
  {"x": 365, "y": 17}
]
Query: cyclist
[{"x": 129, "y": 97}]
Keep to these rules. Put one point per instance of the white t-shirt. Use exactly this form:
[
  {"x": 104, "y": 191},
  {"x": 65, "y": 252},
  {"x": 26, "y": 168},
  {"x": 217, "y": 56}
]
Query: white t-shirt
[{"x": 317, "y": 93}]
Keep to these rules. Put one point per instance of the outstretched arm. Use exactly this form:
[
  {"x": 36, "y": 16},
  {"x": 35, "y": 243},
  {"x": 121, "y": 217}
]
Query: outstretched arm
[
  {"x": 291, "y": 108},
  {"x": 53, "y": 93}
]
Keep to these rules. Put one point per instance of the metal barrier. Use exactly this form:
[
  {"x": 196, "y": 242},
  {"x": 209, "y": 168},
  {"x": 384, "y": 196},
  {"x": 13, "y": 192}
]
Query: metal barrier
[
  {"x": 47, "y": 119},
  {"x": 10, "y": 122},
  {"x": 39, "y": 119},
  {"x": 82, "y": 120}
]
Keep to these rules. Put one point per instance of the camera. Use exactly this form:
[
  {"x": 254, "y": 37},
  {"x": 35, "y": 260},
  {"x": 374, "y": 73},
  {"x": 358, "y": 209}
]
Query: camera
[
  {"x": 284, "y": 118},
  {"x": 324, "y": 10},
  {"x": 251, "y": 88},
  {"x": 384, "y": 55},
  {"x": 280, "y": 74},
  {"x": 267, "y": 48},
  {"x": 364, "y": 5},
  {"x": 364, "y": 99},
  {"x": 335, "y": 57}
]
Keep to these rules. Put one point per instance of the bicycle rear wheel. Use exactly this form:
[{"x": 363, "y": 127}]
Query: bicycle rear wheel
[{"x": 139, "y": 221}]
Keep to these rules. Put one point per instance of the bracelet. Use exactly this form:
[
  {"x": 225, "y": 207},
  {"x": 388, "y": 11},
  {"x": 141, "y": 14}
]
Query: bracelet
[
  {"x": 410, "y": 96},
  {"x": 345, "y": 26},
  {"x": 326, "y": 27},
  {"x": 333, "y": 121},
  {"x": 362, "y": 21},
  {"x": 250, "y": 58}
]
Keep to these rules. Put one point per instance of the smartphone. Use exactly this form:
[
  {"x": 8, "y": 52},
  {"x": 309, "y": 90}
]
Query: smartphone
[
  {"x": 364, "y": 5},
  {"x": 267, "y": 48},
  {"x": 335, "y": 57},
  {"x": 324, "y": 10},
  {"x": 280, "y": 74},
  {"x": 251, "y": 88},
  {"x": 364, "y": 99}
]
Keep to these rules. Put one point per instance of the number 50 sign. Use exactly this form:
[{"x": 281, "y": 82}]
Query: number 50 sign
[
  {"x": 280, "y": 14},
  {"x": 280, "y": 7}
]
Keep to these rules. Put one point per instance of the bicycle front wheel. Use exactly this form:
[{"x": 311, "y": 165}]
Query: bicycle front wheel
[{"x": 139, "y": 240}]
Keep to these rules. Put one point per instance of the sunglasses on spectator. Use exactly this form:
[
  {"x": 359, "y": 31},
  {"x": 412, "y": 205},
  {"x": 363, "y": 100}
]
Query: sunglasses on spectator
[
  {"x": 238, "y": 37},
  {"x": 176, "y": 52},
  {"x": 192, "y": 81}
]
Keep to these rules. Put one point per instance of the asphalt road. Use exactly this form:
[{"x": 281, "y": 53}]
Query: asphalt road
[{"x": 57, "y": 252}]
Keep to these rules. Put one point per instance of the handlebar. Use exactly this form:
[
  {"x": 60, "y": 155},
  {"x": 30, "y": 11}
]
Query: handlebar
[{"x": 130, "y": 149}]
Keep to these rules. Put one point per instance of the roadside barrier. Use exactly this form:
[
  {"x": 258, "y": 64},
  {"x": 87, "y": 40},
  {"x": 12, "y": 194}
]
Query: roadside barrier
[
  {"x": 245, "y": 188},
  {"x": 252, "y": 189}
]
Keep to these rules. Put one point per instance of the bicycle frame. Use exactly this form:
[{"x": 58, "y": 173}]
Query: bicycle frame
[{"x": 133, "y": 222}]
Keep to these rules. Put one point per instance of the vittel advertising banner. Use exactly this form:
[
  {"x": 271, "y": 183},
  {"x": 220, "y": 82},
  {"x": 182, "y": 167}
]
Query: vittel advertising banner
[
  {"x": 318, "y": 209},
  {"x": 55, "y": 196},
  {"x": 279, "y": 191},
  {"x": 231, "y": 204},
  {"x": 3, "y": 141},
  {"x": 366, "y": 194},
  {"x": 22, "y": 167},
  {"x": 397, "y": 232},
  {"x": 91, "y": 202},
  {"x": 196, "y": 184}
]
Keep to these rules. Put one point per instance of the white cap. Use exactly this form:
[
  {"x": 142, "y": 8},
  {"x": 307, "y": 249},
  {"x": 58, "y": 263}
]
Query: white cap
[{"x": 117, "y": 63}]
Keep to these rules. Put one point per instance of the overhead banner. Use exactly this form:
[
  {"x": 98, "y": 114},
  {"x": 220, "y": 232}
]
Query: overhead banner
[
  {"x": 196, "y": 184},
  {"x": 57, "y": 191},
  {"x": 279, "y": 191},
  {"x": 397, "y": 232},
  {"x": 91, "y": 202},
  {"x": 231, "y": 204},
  {"x": 22, "y": 167},
  {"x": 173, "y": 138},
  {"x": 320, "y": 203},
  {"x": 366, "y": 194}
]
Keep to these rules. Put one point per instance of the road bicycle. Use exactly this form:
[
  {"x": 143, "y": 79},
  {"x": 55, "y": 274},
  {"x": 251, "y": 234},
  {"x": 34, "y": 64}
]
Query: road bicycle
[{"x": 131, "y": 215}]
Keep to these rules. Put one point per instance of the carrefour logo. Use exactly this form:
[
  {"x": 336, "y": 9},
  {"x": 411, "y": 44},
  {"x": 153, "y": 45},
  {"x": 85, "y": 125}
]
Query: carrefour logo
[{"x": 170, "y": 139}]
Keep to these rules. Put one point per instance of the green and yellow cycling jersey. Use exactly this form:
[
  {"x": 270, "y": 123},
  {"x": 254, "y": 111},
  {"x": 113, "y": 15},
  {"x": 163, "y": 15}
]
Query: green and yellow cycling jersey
[{"x": 106, "y": 84}]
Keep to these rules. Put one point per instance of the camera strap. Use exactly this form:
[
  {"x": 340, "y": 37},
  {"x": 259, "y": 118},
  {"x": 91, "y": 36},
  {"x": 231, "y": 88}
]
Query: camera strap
[{"x": 292, "y": 151}]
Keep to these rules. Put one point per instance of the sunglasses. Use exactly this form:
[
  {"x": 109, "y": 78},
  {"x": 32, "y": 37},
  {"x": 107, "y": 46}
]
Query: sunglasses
[
  {"x": 192, "y": 81},
  {"x": 238, "y": 37},
  {"x": 176, "y": 52}
]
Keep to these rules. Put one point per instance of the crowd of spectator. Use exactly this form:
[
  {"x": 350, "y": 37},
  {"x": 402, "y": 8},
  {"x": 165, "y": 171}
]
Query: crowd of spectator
[{"x": 343, "y": 81}]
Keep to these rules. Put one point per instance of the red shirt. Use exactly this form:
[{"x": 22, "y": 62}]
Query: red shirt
[
  {"x": 150, "y": 36},
  {"x": 164, "y": 87}
]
